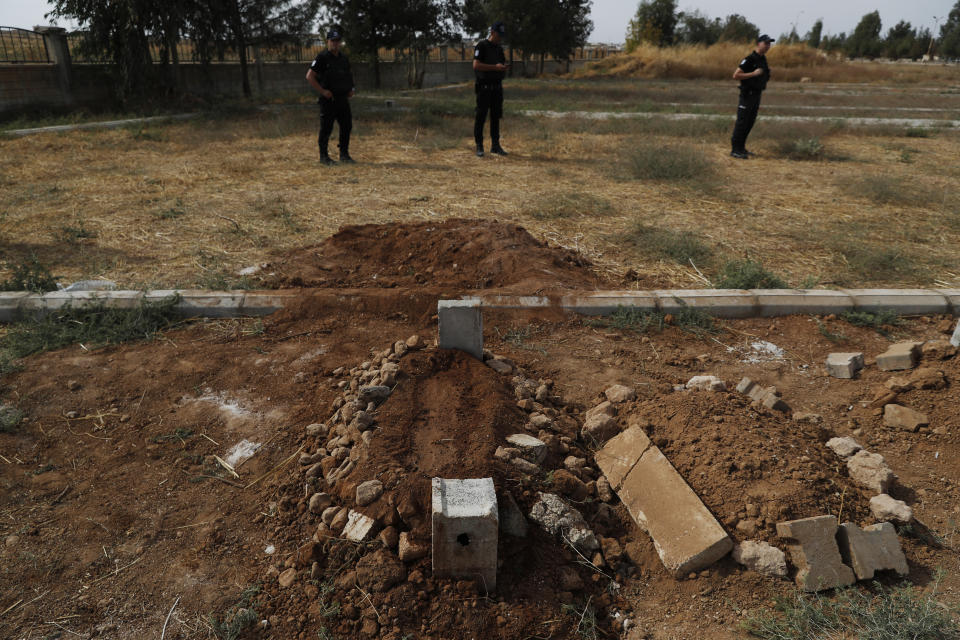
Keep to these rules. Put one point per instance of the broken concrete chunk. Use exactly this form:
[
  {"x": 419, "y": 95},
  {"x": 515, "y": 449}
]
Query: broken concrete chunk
[
  {"x": 465, "y": 529},
  {"x": 813, "y": 549},
  {"x": 870, "y": 470},
  {"x": 844, "y": 365},
  {"x": 359, "y": 527},
  {"x": 499, "y": 366},
  {"x": 619, "y": 393},
  {"x": 745, "y": 386},
  {"x": 560, "y": 519},
  {"x": 606, "y": 408},
  {"x": 871, "y": 549},
  {"x": 706, "y": 383},
  {"x": 535, "y": 448},
  {"x": 506, "y": 453},
  {"x": 761, "y": 557},
  {"x": 410, "y": 550},
  {"x": 937, "y": 350},
  {"x": 905, "y": 418},
  {"x": 685, "y": 534},
  {"x": 525, "y": 466},
  {"x": 620, "y": 454},
  {"x": 900, "y": 356},
  {"x": 886, "y": 508},
  {"x": 843, "y": 447}
]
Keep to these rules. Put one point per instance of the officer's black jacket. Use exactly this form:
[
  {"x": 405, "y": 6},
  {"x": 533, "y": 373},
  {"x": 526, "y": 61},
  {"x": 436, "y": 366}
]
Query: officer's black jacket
[
  {"x": 333, "y": 72},
  {"x": 489, "y": 53},
  {"x": 753, "y": 62}
]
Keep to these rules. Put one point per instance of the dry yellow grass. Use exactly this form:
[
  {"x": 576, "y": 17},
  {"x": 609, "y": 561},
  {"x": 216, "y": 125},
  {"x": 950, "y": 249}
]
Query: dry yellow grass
[
  {"x": 192, "y": 203},
  {"x": 790, "y": 62}
]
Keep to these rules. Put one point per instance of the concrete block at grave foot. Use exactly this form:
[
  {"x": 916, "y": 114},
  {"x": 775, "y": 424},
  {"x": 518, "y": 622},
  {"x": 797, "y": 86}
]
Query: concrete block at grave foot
[
  {"x": 905, "y": 302},
  {"x": 720, "y": 303},
  {"x": 812, "y": 543},
  {"x": 955, "y": 338},
  {"x": 871, "y": 549},
  {"x": 211, "y": 304},
  {"x": 785, "y": 302},
  {"x": 685, "y": 534},
  {"x": 620, "y": 454},
  {"x": 10, "y": 304},
  {"x": 465, "y": 529},
  {"x": 460, "y": 326},
  {"x": 844, "y": 365},
  {"x": 900, "y": 356}
]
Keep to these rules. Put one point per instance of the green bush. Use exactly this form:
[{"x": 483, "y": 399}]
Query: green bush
[
  {"x": 656, "y": 162},
  {"x": 747, "y": 274},
  {"x": 801, "y": 149},
  {"x": 689, "y": 319},
  {"x": 679, "y": 246},
  {"x": 29, "y": 275},
  {"x": 893, "y": 613},
  {"x": 10, "y": 418}
]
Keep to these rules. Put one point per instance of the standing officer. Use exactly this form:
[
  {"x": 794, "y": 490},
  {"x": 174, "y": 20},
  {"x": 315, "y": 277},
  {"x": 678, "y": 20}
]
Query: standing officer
[
  {"x": 330, "y": 76},
  {"x": 490, "y": 65},
  {"x": 753, "y": 74}
]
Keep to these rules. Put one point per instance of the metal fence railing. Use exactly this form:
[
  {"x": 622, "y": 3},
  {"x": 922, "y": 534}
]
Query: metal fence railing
[{"x": 21, "y": 45}]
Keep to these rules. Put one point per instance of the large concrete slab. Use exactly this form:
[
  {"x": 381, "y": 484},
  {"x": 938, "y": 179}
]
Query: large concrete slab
[
  {"x": 607, "y": 302},
  {"x": 784, "y": 302},
  {"x": 812, "y": 543},
  {"x": 465, "y": 528},
  {"x": 460, "y": 326},
  {"x": 871, "y": 549},
  {"x": 621, "y": 453},
  {"x": 685, "y": 534},
  {"x": 721, "y": 303}
]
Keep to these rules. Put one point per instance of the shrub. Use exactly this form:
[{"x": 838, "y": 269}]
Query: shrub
[
  {"x": 680, "y": 246},
  {"x": 747, "y": 274},
  {"x": 29, "y": 275},
  {"x": 654, "y": 162},
  {"x": 568, "y": 205},
  {"x": 801, "y": 149},
  {"x": 10, "y": 418}
]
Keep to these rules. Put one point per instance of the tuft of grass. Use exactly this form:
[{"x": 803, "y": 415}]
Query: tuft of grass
[
  {"x": 568, "y": 205},
  {"x": 747, "y": 274},
  {"x": 887, "y": 189},
  {"x": 586, "y": 620},
  {"x": 94, "y": 324},
  {"x": 918, "y": 132},
  {"x": 656, "y": 162},
  {"x": 71, "y": 234},
  {"x": 880, "y": 321},
  {"x": 885, "y": 613},
  {"x": 238, "y": 618},
  {"x": 689, "y": 319},
  {"x": 173, "y": 212},
  {"x": 875, "y": 263},
  {"x": 829, "y": 335},
  {"x": 679, "y": 246},
  {"x": 10, "y": 418},
  {"x": 29, "y": 275},
  {"x": 801, "y": 149}
]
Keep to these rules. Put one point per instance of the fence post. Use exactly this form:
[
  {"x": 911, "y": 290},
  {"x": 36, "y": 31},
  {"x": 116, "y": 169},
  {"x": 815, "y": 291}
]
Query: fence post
[
  {"x": 55, "y": 39},
  {"x": 258, "y": 64}
]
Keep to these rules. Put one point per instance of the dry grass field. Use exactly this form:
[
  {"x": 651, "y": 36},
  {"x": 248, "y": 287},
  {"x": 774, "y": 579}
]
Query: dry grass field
[{"x": 823, "y": 204}]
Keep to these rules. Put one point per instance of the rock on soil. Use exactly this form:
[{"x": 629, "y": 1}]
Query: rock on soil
[
  {"x": 560, "y": 519},
  {"x": 380, "y": 570},
  {"x": 761, "y": 557}
]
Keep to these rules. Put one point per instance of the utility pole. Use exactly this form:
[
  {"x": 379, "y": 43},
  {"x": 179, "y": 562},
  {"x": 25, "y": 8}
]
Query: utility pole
[{"x": 936, "y": 22}]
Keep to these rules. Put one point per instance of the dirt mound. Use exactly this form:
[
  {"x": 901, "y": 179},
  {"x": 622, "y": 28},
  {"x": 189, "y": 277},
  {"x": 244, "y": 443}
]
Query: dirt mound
[{"x": 463, "y": 254}]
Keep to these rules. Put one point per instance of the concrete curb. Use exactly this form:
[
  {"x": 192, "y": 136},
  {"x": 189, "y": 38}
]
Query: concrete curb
[
  {"x": 720, "y": 303},
  {"x": 109, "y": 124}
]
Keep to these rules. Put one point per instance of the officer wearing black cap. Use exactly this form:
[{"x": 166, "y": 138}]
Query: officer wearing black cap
[
  {"x": 753, "y": 74},
  {"x": 331, "y": 77},
  {"x": 490, "y": 65}
]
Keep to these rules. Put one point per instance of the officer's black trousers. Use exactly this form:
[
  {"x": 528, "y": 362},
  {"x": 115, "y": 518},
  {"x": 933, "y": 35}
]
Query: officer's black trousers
[
  {"x": 746, "y": 115},
  {"x": 335, "y": 109},
  {"x": 489, "y": 98}
]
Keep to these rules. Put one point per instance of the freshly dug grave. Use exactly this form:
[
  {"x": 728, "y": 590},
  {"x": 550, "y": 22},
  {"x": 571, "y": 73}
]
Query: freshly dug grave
[{"x": 465, "y": 254}]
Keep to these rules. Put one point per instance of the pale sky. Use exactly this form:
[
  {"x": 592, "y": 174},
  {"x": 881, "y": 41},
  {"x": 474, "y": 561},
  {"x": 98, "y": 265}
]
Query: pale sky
[{"x": 610, "y": 17}]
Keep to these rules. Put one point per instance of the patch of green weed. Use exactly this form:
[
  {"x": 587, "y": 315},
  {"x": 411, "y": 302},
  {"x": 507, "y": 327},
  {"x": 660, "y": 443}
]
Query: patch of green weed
[
  {"x": 689, "y": 319},
  {"x": 238, "y": 618},
  {"x": 679, "y": 246},
  {"x": 747, "y": 274},
  {"x": 568, "y": 205},
  {"x": 880, "y": 321},
  {"x": 73, "y": 234},
  {"x": 656, "y": 162},
  {"x": 918, "y": 132},
  {"x": 801, "y": 149},
  {"x": 10, "y": 418},
  {"x": 879, "y": 263},
  {"x": 29, "y": 275}
]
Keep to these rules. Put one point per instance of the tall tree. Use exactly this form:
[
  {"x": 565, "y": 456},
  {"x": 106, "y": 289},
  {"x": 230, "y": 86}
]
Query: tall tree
[
  {"x": 654, "y": 22},
  {"x": 865, "y": 41},
  {"x": 426, "y": 24},
  {"x": 368, "y": 25},
  {"x": 694, "y": 27},
  {"x": 736, "y": 28},
  {"x": 813, "y": 36},
  {"x": 901, "y": 41},
  {"x": 950, "y": 34}
]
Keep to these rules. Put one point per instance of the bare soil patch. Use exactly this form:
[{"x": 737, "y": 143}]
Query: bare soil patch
[{"x": 113, "y": 506}]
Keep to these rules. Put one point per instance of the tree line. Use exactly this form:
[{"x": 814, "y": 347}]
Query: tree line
[
  {"x": 659, "y": 23},
  {"x": 123, "y": 30}
]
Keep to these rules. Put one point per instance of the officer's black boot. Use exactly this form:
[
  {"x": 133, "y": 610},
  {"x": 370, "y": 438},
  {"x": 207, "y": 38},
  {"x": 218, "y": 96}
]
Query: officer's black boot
[
  {"x": 345, "y": 157},
  {"x": 497, "y": 149},
  {"x": 325, "y": 157},
  {"x": 479, "y": 150}
]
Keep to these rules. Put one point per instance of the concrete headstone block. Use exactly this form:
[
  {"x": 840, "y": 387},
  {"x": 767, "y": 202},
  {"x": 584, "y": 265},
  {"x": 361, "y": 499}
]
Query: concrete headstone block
[
  {"x": 812, "y": 543},
  {"x": 844, "y": 365},
  {"x": 955, "y": 338},
  {"x": 871, "y": 549},
  {"x": 900, "y": 356},
  {"x": 465, "y": 529},
  {"x": 460, "y": 326}
]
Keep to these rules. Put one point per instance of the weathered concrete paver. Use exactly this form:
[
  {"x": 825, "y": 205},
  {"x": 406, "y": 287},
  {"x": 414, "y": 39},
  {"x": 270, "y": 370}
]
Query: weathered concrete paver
[
  {"x": 871, "y": 549},
  {"x": 870, "y": 470},
  {"x": 813, "y": 549},
  {"x": 905, "y": 418},
  {"x": 900, "y": 356},
  {"x": 844, "y": 365},
  {"x": 685, "y": 534}
]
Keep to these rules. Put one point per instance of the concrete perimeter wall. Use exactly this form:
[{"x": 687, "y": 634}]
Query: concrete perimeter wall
[{"x": 29, "y": 86}]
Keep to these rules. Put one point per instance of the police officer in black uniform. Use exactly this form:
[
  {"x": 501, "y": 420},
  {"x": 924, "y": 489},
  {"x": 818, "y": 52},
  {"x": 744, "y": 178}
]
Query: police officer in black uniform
[
  {"x": 330, "y": 76},
  {"x": 490, "y": 65},
  {"x": 753, "y": 74}
]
